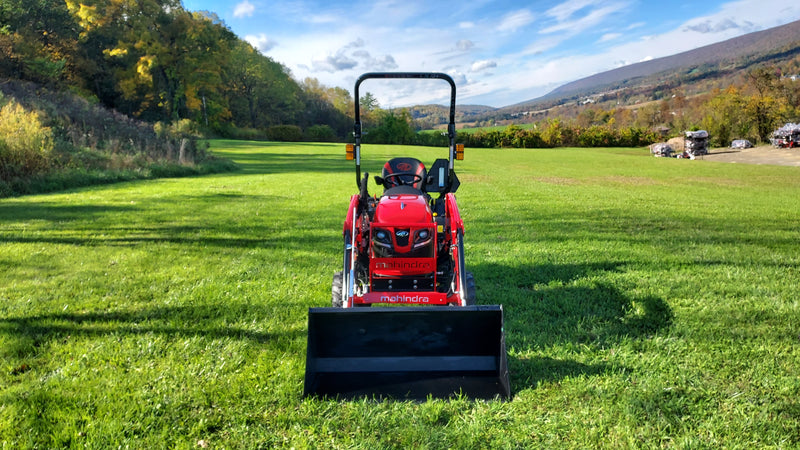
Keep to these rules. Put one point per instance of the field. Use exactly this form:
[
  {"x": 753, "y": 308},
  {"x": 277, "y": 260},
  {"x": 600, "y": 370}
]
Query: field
[{"x": 649, "y": 303}]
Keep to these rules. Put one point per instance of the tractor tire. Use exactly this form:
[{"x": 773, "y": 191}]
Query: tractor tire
[
  {"x": 337, "y": 289},
  {"x": 471, "y": 290}
]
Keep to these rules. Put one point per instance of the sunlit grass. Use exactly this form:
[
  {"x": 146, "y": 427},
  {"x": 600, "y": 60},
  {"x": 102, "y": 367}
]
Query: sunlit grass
[{"x": 648, "y": 302}]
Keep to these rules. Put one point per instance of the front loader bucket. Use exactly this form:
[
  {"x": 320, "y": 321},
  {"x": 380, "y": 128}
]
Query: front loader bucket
[{"x": 407, "y": 352}]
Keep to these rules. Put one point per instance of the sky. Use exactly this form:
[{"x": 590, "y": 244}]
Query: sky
[{"x": 498, "y": 52}]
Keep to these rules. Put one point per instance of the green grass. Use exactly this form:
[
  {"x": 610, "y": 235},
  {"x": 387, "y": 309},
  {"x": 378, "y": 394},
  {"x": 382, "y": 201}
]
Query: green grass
[{"x": 649, "y": 303}]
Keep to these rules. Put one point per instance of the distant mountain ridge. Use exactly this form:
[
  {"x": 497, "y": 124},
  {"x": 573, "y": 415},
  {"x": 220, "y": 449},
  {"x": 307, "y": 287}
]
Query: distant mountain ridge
[
  {"x": 720, "y": 60},
  {"x": 758, "y": 42}
]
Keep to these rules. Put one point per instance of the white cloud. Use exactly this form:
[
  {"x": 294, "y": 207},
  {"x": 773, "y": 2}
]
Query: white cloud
[
  {"x": 464, "y": 45},
  {"x": 515, "y": 20},
  {"x": 333, "y": 63},
  {"x": 585, "y": 22},
  {"x": 609, "y": 37},
  {"x": 564, "y": 11},
  {"x": 244, "y": 9},
  {"x": 358, "y": 43},
  {"x": 352, "y": 54},
  {"x": 459, "y": 78},
  {"x": 319, "y": 19},
  {"x": 635, "y": 25},
  {"x": 379, "y": 64},
  {"x": 540, "y": 46},
  {"x": 261, "y": 42},
  {"x": 479, "y": 66},
  {"x": 709, "y": 26},
  {"x": 383, "y": 63}
]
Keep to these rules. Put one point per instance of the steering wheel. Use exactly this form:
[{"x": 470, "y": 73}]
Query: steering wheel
[{"x": 401, "y": 182}]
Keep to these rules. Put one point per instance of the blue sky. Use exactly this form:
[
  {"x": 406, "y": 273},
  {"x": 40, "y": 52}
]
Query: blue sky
[{"x": 499, "y": 52}]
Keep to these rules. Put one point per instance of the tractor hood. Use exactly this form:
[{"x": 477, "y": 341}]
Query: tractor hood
[{"x": 403, "y": 208}]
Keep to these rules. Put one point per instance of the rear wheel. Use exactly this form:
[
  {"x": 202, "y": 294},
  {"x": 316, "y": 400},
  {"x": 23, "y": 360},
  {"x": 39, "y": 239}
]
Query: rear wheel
[{"x": 337, "y": 288}]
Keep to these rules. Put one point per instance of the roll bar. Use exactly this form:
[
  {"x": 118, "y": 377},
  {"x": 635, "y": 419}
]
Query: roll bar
[{"x": 451, "y": 126}]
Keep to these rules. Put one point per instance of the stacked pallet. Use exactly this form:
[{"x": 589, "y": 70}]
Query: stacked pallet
[{"x": 696, "y": 142}]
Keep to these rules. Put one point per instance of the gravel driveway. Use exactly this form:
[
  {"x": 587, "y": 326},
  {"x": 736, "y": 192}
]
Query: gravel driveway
[{"x": 764, "y": 154}]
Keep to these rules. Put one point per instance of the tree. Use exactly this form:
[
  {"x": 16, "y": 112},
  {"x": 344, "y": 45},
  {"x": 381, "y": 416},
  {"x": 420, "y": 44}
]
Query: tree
[
  {"x": 762, "y": 110},
  {"x": 206, "y": 58},
  {"x": 321, "y": 106},
  {"x": 761, "y": 106},
  {"x": 726, "y": 118},
  {"x": 391, "y": 129},
  {"x": 369, "y": 105},
  {"x": 246, "y": 81},
  {"x": 37, "y": 39}
]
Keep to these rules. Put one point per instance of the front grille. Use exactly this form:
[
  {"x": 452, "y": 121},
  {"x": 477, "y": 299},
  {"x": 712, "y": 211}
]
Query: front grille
[{"x": 401, "y": 236}]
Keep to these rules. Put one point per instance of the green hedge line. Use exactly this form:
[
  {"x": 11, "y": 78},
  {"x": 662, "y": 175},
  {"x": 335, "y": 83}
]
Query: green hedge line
[{"x": 557, "y": 134}]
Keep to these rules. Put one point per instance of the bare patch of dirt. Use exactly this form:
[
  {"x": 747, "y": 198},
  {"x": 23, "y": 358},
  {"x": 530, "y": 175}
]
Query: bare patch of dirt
[
  {"x": 629, "y": 181},
  {"x": 474, "y": 178},
  {"x": 557, "y": 180}
]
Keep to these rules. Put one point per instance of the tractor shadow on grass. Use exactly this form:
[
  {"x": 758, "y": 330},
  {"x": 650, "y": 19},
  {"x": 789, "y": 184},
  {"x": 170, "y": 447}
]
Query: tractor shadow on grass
[
  {"x": 567, "y": 308},
  {"x": 272, "y": 163},
  {"x": 96, "y": 225},
  {"x": 27, "y": 334}
]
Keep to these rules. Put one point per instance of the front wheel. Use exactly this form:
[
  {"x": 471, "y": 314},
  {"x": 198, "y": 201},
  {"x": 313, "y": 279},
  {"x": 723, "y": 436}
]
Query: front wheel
[
  {"x": 471, "y": 290},
  {"x": 466, "y": 280},
  {"x": 337, "y": 288}
]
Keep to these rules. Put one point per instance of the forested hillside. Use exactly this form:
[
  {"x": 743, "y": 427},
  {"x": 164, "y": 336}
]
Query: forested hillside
[{"x": 153, "y": 60}]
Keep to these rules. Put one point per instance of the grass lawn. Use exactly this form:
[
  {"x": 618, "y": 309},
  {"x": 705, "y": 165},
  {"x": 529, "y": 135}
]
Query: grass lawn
[{"x": 649, "y": 303}]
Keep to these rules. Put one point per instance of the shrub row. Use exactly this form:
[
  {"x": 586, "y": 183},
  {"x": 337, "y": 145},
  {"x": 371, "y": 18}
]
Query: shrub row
[{"x": 555, "y": 133}]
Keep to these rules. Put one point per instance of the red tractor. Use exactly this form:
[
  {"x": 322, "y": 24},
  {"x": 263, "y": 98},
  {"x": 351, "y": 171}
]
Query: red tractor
[{"x": 406, "y": 247}]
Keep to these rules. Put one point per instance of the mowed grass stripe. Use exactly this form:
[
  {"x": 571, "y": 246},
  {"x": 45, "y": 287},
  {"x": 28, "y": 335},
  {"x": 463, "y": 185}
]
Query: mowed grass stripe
[{"x": 648, "y": 302}]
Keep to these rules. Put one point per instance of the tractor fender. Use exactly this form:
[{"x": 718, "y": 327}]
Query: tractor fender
[
  {"x": 456, "y": 223},
  {"x": 351, "y": 212}
]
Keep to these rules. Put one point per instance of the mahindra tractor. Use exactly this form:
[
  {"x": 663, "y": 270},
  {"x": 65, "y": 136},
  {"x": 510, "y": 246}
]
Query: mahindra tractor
[{"x": 403, "y": 320}]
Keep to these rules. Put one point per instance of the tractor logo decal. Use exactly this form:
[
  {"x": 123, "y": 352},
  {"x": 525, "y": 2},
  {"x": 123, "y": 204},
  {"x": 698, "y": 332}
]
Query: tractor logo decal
[
  {"x": 397, "y": 265},
  {"x": 405, "y": 298},
  {"x": 402, "y": 233},
  {"x": 405, "y": 167}
]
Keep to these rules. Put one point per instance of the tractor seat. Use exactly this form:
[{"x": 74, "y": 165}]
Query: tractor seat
[{"x": 395, "y": 184}]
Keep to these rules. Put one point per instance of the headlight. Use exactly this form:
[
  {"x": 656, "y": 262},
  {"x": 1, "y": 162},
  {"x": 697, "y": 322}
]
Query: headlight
[
  {"x": 422, "y": 236},
  {"x": 383, "y": 236}
]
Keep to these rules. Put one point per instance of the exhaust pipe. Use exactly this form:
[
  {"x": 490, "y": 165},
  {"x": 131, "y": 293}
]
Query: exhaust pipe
[{"x": 407, "y": 352}]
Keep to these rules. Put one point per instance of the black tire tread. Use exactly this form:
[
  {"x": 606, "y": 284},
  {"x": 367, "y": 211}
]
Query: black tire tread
[{"x": 337, "y": 289}]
